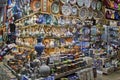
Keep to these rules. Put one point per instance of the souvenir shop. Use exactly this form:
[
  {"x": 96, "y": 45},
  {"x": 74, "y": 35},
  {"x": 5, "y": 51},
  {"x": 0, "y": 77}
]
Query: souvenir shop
[{"x": 59, "y": 39}]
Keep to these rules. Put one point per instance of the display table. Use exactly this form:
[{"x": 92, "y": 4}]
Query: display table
[{"x": 108, "y": 70}]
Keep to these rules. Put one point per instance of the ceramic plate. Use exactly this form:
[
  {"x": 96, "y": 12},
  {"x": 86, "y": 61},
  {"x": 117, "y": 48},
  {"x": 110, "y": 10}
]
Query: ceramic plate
[
  {"x": 48, "y": 19},
  {"x": 86, "y": 31},
  {"x": 99, "y": 5},
  {"x": 74, "y": 10},
  {"x": 54, "y": 20},
  {"x": 61, "y": 20},
  {"x": 64, "y": 1},
  {"x": 87, "y": 3},
  {"x": 93, "y": 30},
  {"x": 93, "y": 4},
  {"x": 72, "y": 1},
  {"x": 66, "y": 9},
  {"x": 80, "y": 2},
  {"x": 95, "y": 14},
  {"x": 55, "y": 7},
  {"x": 35, "y": 5},
  {"x": 100, "y": 14},
  {"x": 90, "y": 15},
  {"x": 83, "y": 13}
]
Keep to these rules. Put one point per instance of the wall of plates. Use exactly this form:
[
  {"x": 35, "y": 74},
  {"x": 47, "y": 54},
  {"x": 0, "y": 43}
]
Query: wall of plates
[{"x": 72, "y": 32}]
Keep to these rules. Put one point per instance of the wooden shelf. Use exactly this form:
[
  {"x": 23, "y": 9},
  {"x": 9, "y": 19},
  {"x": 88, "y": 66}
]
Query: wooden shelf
[
  {"x": 32, "y": 47},
  {"x": 27, "y": 16},
  {"x": 69, "y": 72},
  {"x": 47, "y": 37},
  {"x": 45, "y": 26},
  {"x": 112, "y": 20},
  {"x": 112, "y": 9}
]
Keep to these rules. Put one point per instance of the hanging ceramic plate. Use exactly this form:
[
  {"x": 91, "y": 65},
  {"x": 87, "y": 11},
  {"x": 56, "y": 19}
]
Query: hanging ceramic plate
[
  {"x": 48, "y": 19},
  {"x": 54, "y": 20},
  {"x": 80, "y": 2},
  {"x": 83, "y": 13},
  {"x": 72, "y": 1},
  {"x": 74, "y": 10},
  {"x": 93, "y": 30},
  {"x": 99, "y": 5},
  {"x": 64, "y": 1},
  {"x": 100, "y": 14},
  {"x": 66, "y": 9},
  {"x": 86, "y": 30},
  {"x": 95, "y": 14},
  {"x": 67, "y": 21},
  {"x": 93, "y": 4},
  {"x": 90, "y": 15},
  {"x": 35, "y": 5},
  {"x": 55, "y": 7},
  {"x": 61, "y": 20},
  {"x": 87, "y": 3}
]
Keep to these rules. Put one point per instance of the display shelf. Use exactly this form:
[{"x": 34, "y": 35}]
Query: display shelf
[
  {"x": 28, "y": 26},
  {"x": 70, "y": 72},
  {"x": 112, "y": 20},
  {"x": 10, "y": 69},
  {"x": 69, "y": 61},
  {"x": 112, "y": 9},
  {"x": 32, "y": 47},
  {"x": 44, "y": 25},
  {"x": 25, "y": 17},
  {"x": 47, "y": 37},
  {"x": 64, "y": 37}
]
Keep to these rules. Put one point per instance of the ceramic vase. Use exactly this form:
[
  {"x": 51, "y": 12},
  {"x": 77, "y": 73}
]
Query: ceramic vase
[
  {"x": 44, "y": 70},
  {"x": 39, "y": 47}
]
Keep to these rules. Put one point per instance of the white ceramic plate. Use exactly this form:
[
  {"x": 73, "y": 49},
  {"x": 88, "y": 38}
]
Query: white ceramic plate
[
  {"x": 93, "y": 4},
  {"x": 64, "y": 1},
  {"x": 83, "y": 13},
  {"x": 66, "y": 9},
  {"x": 72, "y": 1},
  {"x": 80, "y": 2},
  {"x": 74, "y": 10},
  {"x": 87, "y": 3},
  {"x": 90, "y": 14},
  {"x": 99, "y": 5}
]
